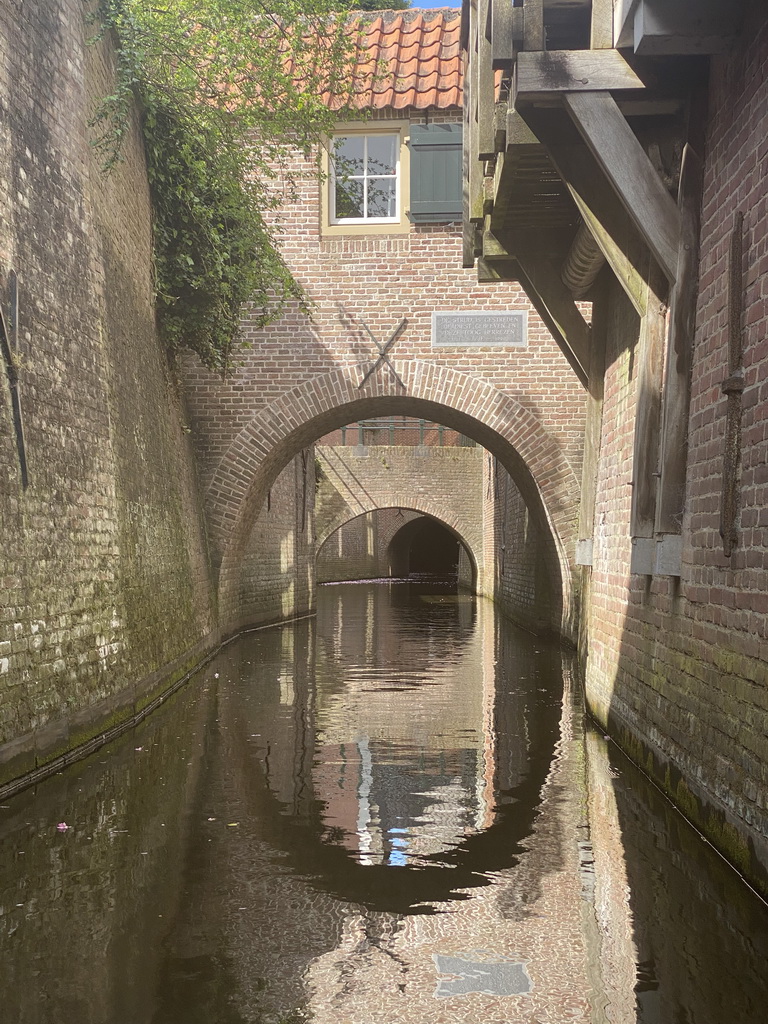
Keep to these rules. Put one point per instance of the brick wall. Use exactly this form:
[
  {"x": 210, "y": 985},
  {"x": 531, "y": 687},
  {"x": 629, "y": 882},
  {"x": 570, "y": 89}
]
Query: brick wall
[
  {"x": 445, "y": 483},
  {"x": 681, "y": 669},
  {"x": 277, "y": 574},
  {"x": 302, "y": 377},
  {"x": 525, "y": 567},
  {"x": 104, "y": 587}
]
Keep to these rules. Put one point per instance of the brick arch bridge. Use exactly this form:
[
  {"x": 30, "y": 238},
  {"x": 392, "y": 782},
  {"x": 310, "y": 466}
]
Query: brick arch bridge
[
  {"x": 296, "y": 419},
  {"x": 466, "y": 533}
]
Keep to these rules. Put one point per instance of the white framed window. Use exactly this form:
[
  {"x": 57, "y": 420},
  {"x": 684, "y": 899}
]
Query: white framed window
[{"x": 365, "y": 178}]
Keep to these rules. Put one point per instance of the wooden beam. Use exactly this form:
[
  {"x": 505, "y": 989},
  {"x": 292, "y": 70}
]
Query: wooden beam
[
  {"x": 546, "y": 75},
  {"x": 645, "y": 463},
  {"x": 485, "y": 86},
  {"x": 499, "y": 270},
  {"x": 679, "y": 27},
  {"x": 506, "y": 33},
  {"x": 631, "y": 174},
  {"x": 510, "y": 243},
  {"x": 608, "y": 221},
  {"x": 533, "y": 25},
  {"x": 623, "y": 22},
  {"x": 472, "y": 169},
  {"x": 554, "y": 304},
  {"x": 733, "y": 387},
  {"x": 677, "y": 374},
  {"x": 601, "y": 28}
]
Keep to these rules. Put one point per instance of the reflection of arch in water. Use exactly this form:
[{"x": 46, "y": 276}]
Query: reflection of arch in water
[
  {"x": 293, "y": 818},
  {"x": 473, "y": 407},
  {"x": 394, "y": 532}
]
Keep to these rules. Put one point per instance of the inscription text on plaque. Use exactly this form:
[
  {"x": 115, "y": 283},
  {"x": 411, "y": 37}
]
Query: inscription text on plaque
[{"x": 480, "y": 330}]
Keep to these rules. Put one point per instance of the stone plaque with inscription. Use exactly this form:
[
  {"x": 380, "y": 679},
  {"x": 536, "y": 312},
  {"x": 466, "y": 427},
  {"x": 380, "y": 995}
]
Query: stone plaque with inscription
[{"x": 480, "y": 330}]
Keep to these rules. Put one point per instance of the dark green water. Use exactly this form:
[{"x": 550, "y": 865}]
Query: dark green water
[{"x": 391, "y": 814}]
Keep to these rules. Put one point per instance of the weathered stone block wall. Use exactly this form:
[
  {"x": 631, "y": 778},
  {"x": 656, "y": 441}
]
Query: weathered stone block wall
[
  {"x": 105, "y": 590},
  {"x": 681, "y": 669}
]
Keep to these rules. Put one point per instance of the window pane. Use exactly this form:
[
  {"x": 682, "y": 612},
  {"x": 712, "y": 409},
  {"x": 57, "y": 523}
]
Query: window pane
[
  {"x": 348, "y": 155},
  {"x": 382, "y": 154},
  {"x": 381, "y": 197},
  {"x": 349, "y": 200}
]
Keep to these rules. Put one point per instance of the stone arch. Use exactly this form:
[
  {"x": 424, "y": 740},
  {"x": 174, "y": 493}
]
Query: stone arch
[
  {"x": 465, "y": 533},
  {"x": 468, "y": 404}
]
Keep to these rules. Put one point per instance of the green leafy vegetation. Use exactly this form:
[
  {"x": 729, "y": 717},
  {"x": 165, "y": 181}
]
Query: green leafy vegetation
[{"x": 227, "y": 91}]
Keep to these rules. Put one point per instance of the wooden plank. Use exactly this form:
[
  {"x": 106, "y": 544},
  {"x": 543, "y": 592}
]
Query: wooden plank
[
  {"x": 485, "y": 84},
  {"x": 554, "y": 304},
  {"x": 601, "y": 28},
  {"x": 608, "y": 221},
  {"x": 679, "y": 27},
  {"x": 518, "y": 132},
  {"x": 631, "y": 174},
  {"x": 623, "y": 22},
  {"x": 545, "y": 76},
  {"x": 499, "y": 270},
  {"x": 677, "y": 374},
  {"x": 506, "y": 33},
  {"x": 472, "y": 169},
  {"x": 550, "y": 241},
  {"x": 533, "y": 25},
  {"x": 650, "y": 363}
]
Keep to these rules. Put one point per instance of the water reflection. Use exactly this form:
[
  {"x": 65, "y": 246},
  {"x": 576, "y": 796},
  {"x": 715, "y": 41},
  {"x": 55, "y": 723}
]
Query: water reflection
[{"x": 387, "y": 816}]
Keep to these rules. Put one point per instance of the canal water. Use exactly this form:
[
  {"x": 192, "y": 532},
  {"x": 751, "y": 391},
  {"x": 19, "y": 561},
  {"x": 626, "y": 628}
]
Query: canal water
[{"x": 391, "y": 815}]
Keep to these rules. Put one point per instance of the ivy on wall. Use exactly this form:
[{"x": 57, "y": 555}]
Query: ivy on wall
[{"x": 227, "y": 91}]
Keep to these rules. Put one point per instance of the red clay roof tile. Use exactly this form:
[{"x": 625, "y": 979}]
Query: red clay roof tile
[{"x": 404, "y": 59}]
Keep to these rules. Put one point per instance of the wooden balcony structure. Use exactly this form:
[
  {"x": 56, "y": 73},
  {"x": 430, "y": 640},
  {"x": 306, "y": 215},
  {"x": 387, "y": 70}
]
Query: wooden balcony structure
[{"x": 583, "y": 142}]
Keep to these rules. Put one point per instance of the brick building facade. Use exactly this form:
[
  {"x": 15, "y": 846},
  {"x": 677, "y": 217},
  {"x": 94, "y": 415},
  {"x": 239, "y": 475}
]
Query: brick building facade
[
  {"x": 305, "y": 376},
  {"x": 657, "y": 153}
]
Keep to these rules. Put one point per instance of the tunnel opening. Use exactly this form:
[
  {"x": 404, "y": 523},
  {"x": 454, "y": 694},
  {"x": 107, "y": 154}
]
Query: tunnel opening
[
  {"x": 425, "y": 549},
  {"x": 397, "y": 544}
]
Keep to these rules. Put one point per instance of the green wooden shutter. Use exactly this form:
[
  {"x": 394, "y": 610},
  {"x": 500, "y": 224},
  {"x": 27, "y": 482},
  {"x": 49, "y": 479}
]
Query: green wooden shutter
[{"x": 435, "y": 172}]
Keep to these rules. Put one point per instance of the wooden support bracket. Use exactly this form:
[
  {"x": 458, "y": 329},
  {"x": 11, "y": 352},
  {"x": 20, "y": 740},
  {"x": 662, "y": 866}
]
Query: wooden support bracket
[
  {"x": 506, "y": 33},
  {"x": 677, "y": 375},
  {"x": 544, "y": 76},
  {"x": 498, "y": 270},
  {"x": 533, "y": 25},
  {"x": 630, "y": 172},
  {"x": 554, "y": 304},
  {"x": 645, "y": 460},
  {"x": 607, "y": 219}
]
